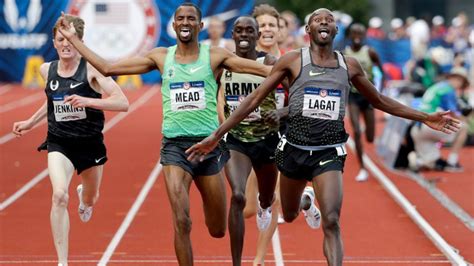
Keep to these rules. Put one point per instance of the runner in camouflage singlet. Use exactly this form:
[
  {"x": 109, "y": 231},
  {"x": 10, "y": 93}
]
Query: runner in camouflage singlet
[{"x": 253, "y": 141}]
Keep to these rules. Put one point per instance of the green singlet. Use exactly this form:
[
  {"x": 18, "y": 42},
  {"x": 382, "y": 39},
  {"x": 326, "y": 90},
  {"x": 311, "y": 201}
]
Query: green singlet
[
  {"x": 189, "y": 94},
  {"x": 365, "y": 61}
]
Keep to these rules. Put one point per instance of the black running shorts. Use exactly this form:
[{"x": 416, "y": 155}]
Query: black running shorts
[
  {"x": 84, "y": 153},
  {"x": 260, "y": 152},
  {"x": 301, "y": 164},
  {"x": 173, "y": 153}
]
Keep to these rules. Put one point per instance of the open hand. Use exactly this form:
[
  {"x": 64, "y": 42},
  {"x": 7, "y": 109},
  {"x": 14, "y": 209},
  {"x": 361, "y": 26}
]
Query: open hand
[
  {"x": 443, "y": 121},
  {"x": 199, "y": 150},
  {"x": 65, "y": 28}
]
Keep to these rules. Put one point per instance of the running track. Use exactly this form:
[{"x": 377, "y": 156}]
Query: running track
[{"x": 131, "y": 224}]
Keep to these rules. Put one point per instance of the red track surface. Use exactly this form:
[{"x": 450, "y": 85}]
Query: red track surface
[{"x": 376, "y": 231}]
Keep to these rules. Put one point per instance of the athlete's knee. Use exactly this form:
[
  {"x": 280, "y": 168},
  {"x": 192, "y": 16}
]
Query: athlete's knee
[
  {"x": 249, "y": 211},
  {"x": 90, "y": 200},
  {"x": 217, "y": 232},
  {"x": 183, "y": 225},
  {"x": 60, "y": 198},
  {"x": 238, "y": 199},
  {"x": 331, "y": 222},
  {"x": 290, "y": 216}
]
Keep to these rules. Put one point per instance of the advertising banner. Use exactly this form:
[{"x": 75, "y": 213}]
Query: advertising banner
[{"x": 114, "y": 29}]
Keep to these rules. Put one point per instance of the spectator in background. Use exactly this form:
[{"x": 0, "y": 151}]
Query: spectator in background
[
  {"x": 438, "y": 29},
  {"x": 425, "y": 71},
  {"x": 408, "y": 22},
  {"x": 397, "y": 30},
  {"x": 216, "y": 32},
  {"x": 343, "y": 21},
  {"x": 444, "y": 95},
  {"x": 458, "y": 34},
  {"x": 375, "y": 29},
  {"x": 419, "y": 33}
]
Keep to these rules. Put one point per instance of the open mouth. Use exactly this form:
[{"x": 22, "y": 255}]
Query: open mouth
[
  {"x": 185, "y": 32},
  {"x": 244, "y": 44},
  {"x": 324, "y": 33},
  {"x": 267, "y": 38}
]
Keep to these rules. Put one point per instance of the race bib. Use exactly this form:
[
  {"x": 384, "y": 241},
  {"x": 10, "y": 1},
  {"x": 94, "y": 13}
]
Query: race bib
[
  {"x": 321, "y": 103},
  {"x": 187, "y": 96},
  {"x": 280, "y": 98},
  {"x": 66, "y": 112},
  {"x": 233, "y": 101}
]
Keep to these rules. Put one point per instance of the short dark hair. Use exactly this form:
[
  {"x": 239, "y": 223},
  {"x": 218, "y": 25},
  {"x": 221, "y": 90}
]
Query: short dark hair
[
  {"x": 357, "y": 27},
  {"x": 316, "y": 11},
  {"x": 246, "y": 17},
  {"x": 192, "y": 5}
]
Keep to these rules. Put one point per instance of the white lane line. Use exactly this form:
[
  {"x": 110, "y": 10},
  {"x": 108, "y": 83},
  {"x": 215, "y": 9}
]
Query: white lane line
[
  {"x": 24, "y": 189},
  {"x": 276, "y": 244},
  {"x": 131, "y": 214},
  {"x": 229, "y": 261},
  {"x": 409, "y": 208},
  {"x": 142, "y": 100},
  {"x": 442, "y": 198},
  {"x": 4, "y": 89},
  {"x": 22, "y": 102}
]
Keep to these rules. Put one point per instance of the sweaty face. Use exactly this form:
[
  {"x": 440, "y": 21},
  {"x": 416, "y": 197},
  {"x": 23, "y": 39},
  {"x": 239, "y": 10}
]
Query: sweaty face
[
  {"x": 322, "y": 27},
  {"x": 63, "y": 47},
  {"x": 245, "y": 35},
  {"x": 186, "y": 24},
  {"x": 268, "y": 26}
]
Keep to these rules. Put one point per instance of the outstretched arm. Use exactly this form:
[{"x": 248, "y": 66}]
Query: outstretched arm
[
  {"x": 238, "y": 64},
  {"x": 116, "y": 100},
  {"x": 135, "y": 65},
  {"x": 441, "y": 121},
  {"x": 253, "y": 100}
]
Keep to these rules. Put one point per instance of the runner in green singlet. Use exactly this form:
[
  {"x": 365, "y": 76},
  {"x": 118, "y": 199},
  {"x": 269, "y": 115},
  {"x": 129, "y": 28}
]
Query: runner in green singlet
[{"x": 189, "y": 101}]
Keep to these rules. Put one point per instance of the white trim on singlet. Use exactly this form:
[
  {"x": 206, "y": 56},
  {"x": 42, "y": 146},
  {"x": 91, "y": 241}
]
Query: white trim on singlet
[{"x": 341, "y": 60}]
